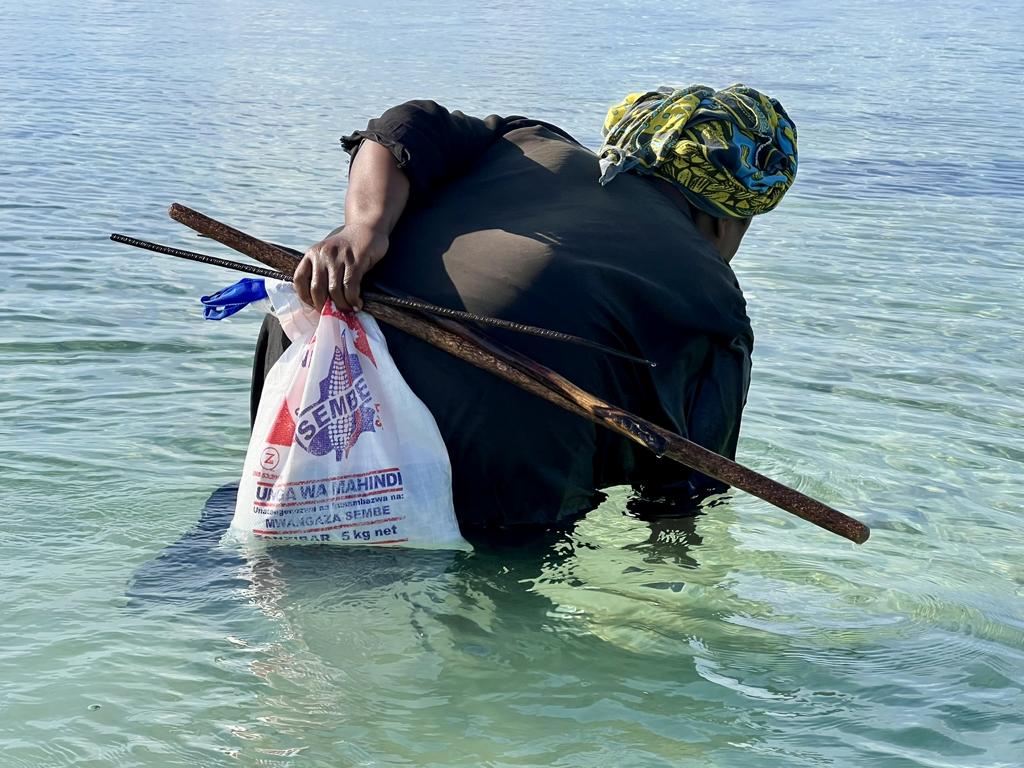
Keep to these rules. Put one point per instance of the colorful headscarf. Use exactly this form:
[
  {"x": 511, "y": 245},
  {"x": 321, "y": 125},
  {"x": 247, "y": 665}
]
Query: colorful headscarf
[{"x": 731, "y": 152}]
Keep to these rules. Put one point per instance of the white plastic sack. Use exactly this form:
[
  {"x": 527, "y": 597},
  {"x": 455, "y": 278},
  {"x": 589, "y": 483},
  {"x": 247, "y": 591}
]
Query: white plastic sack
[{"x": 342, "y": 451}]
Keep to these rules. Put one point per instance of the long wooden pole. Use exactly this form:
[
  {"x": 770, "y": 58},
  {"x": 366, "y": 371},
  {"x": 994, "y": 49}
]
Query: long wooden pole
[{"x": 476, "y": 349}]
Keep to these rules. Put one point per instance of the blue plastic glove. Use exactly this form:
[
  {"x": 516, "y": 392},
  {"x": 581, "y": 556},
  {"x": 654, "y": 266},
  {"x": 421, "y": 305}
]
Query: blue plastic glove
[{"x": 228, "y": 301}]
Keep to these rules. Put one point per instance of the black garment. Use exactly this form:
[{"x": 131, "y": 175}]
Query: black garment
[{"x": 506, "y": 218}]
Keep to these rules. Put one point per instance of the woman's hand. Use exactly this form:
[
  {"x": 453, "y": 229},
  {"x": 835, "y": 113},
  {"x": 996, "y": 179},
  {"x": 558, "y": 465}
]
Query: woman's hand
[{"x": 334, "y": 267}]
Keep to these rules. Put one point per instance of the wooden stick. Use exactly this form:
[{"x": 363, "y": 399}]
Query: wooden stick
[
  {"x": 520, "y": 370},
  {"x": 268, "y": 254},
  {"x": 476, "y": 349}
]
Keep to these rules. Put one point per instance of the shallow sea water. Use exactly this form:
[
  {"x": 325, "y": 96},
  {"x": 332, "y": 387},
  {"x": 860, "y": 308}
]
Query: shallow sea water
[{"x": 886, "y": 298}]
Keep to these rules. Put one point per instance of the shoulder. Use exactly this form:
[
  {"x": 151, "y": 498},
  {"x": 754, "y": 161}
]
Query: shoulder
[{"x": 518, "y": 122}]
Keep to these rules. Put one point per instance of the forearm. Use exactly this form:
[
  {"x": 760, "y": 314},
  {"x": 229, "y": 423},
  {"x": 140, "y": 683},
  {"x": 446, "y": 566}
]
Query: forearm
[
  {"x": 410, "y": 149},
  {"x": 377, "y": 194},
  {"x": 377, "y": 189}
]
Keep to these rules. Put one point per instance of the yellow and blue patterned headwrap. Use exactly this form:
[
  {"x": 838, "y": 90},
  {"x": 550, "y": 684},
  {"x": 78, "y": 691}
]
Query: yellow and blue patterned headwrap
[{"x": 732, "y": 152}]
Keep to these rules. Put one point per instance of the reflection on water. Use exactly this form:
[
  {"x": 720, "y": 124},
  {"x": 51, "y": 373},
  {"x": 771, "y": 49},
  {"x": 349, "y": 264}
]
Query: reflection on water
[
  {"x": 451, "y": 637},
  {"x": 623, "y": 627}
]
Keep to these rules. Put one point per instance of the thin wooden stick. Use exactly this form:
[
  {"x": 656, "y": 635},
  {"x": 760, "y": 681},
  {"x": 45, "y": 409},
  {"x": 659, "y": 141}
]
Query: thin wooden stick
[
  {"x": 407, "y": 302},
  {"x": 202, "y": 258},
  {"x": 280, "y": 257},
  {"x": 478, "y": 350}
]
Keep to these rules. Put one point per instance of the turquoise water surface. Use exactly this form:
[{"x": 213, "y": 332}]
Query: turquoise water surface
[{"x": 886, "y": 295}]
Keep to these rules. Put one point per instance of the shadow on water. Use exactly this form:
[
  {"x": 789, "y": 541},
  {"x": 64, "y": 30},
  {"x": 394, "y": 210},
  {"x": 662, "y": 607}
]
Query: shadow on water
[{"x": 197, "y": 572}]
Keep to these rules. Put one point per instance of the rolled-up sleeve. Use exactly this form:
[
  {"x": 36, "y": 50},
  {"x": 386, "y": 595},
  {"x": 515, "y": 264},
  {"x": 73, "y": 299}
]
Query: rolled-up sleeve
[
  {"x": 430, "y": 144},
  {"x": 433, "y": 145}
]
